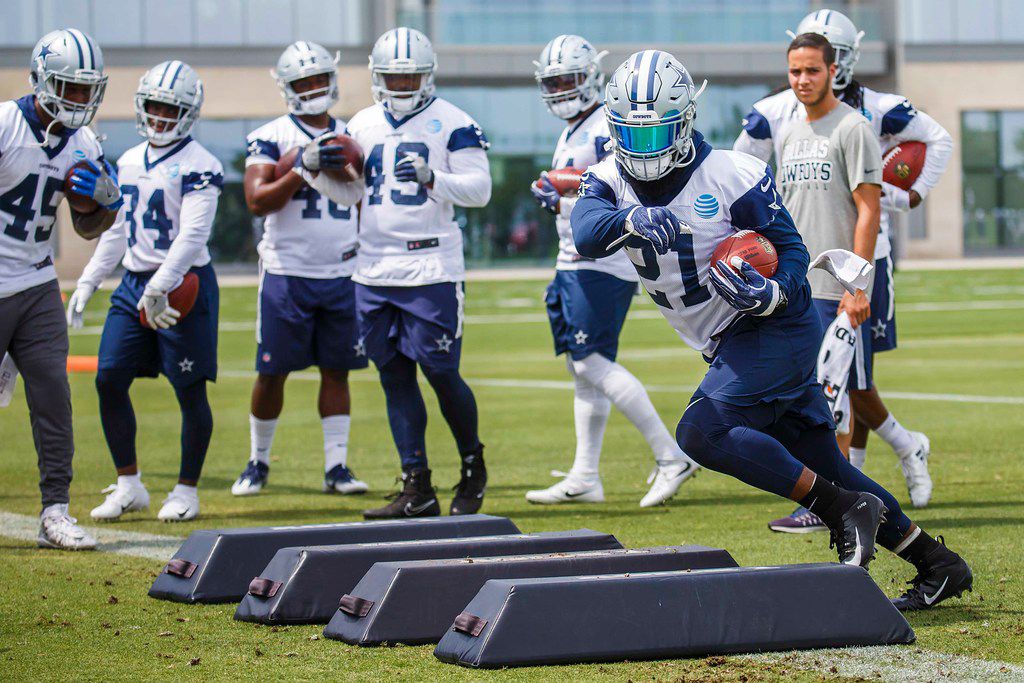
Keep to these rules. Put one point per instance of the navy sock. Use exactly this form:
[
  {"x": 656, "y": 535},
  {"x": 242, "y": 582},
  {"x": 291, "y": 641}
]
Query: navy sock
[
  {"x": 117, "y": 415},
  {"x": 407, "y": 414},
  {"x": 725, "y": 438},
  {"x": 818, "y": 450},
  {"x": 196, "y": 429},
  {"x": 458, "y": 405}
]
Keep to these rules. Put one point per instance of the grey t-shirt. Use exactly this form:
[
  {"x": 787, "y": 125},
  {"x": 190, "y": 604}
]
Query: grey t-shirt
[{"x": 822, "y": 162}]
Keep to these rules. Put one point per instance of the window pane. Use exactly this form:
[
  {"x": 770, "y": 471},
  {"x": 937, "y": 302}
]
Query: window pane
[
  {"x": 1012, "y": 213},
  {"x": 218, "y": 22},
  {"x": 980, "y": 139},
  {"x": 120, "y": 136},
  {"x": 117, "y": 23},
  {"x": 167, "y": 23},
  {"x": 980, "y": 211},
  {"x": 1011, "y": 138},
  {"x": 268, "y": 22}
]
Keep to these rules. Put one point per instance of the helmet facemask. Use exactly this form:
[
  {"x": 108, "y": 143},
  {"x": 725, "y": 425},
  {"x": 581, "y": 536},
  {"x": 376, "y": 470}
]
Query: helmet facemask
[
  {"x": 51, "y": 94},
  {"x": 649, "y": 148},
  {"x": 402, "y": 101},
  {"x": 314, "y": 101},
  {"x": 569, "y": 93},
  {"x": 175, "y": 127},
  {"x": 846, "y": 60}
]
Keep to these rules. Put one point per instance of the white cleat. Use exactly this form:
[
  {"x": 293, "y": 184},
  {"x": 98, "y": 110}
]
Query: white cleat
[
  {"x": 572, "y": 489},
  {"x": 122, "y": 498},
  {"x": 667, "y": 480},
  {"x": 179, "y": 507},
  {"x": 915, "y": 471},
  {"x": 59, "y": 530}
]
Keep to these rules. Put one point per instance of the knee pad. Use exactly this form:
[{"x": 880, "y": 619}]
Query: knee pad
[{"x": 593, "y": 368}]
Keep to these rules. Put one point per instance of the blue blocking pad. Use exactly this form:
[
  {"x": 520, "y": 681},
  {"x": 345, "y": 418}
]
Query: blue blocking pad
[
  {"x": 525, "y": 622},
  {"x": 216, "y": 565},
  {"x": 305, "y": 585},
  {"x": 416, "y": 601}
]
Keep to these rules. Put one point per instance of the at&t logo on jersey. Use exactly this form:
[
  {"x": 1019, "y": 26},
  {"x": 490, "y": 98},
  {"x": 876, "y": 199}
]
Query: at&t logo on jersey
[{"x": 706, "y": 206}]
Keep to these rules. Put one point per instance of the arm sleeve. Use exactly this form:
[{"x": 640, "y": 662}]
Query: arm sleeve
[
  {"x": 341, "y": 193},
  {"x": 468, "y": 183},
  {"x": 198, "y": 209},
  {"x": 595, "y": 220},
  {"x": 760, "y": 209},
  {"x": 261, "y": 151},
  {"x": 109, "y": 252},
  {"x": 756, "y": 137},
  {"x": 940, "y": 149},
  {"x": 862, "y": 156}
]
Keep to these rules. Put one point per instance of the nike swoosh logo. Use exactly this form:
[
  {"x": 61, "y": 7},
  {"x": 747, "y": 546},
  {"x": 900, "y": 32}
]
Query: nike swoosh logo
[
  {"x": 767, "y": 184},
  {"x": 855, "y": 560},
  {"x": 411, "y": 509},
  {"x": 935, "y": 595},
  {"x": 870, "y": 170},
  {"x": 573, "y": 495},
  {"x": 183, "y": 513}
]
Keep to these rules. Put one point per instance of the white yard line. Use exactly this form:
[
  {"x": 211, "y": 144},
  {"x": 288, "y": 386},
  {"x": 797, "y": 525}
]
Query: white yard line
[
  {"x": 895, "y": 663},
  {"x": 110, "y": 539},
  {"x": 560, "y": 385}
]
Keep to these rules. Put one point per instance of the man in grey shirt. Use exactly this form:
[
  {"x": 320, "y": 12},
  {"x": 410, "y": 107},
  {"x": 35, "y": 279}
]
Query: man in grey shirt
[{"x": 830, "y": 176}]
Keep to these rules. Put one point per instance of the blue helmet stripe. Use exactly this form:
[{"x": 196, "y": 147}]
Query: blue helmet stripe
[
  {"x": 177, "y": 73},
  {"x": 650, "y": 77},
  {"x": 84, "y": 39},
  {"x": 164, "y": 74},
  {"x": 635, "y": 77},
  {"x": 827, "y": 17},
  {"x": 408, "y": 43},
  {"x": 394, "y": 37},
  {"x": 81, "y": 56},
  {"x": 557, "y": 57}
]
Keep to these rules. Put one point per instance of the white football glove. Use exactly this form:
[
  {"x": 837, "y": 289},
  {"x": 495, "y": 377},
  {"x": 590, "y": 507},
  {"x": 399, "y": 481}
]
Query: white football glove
[
  {"x": 76, "y": 305},
  {"x": 158, "y": 313},
  {"x": 414, "y": 168},
  {"x": 316, "y": 155},
  {"x": 895, "y": 198}
]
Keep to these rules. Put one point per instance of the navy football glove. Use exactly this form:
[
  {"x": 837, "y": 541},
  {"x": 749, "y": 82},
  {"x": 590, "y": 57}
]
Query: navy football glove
[
  {"x": 747, "y": 291},
  {"x": 414, "y": 168},
  {"x": 656, "y": 224},
  {"x": 546, "y": 195},
  {"x": 98, "y": 183}
]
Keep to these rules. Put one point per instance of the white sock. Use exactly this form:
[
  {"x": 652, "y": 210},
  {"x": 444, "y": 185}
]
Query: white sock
[
  {"x": 897, "y": 436},
  {"x": 629, "y": 396},
  {"x": 186, "y": 491},
  {"x": 858, "y": 456},
  {"x": 335, "y": 439},
  {"x": 261, "y": 436},
  {"x": 590, "y": 412},
  {"x": 130, "y": 480}
]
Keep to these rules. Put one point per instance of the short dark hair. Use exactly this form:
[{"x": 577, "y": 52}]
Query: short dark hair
[{"x": 817, "y": 41}]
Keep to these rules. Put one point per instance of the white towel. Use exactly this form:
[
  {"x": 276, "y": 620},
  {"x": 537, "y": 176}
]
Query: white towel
[
  {"x": 8, "y": 378},
  {"x": 850, "y": 270},
  {"x": 834, "y": 360}
]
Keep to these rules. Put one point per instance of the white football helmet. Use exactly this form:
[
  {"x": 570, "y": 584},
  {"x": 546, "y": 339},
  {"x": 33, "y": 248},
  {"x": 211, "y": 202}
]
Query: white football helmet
[
  {"x": 174, "y": 83},
  {"x": 569, "y": 75},
  {"x": 402, "y": 51},
  {"x": 843, "y": 35},
  {"x": 67, "y": 56},
  {"x": 651, "y": 105},
  {"x": 303, "y": 59}
]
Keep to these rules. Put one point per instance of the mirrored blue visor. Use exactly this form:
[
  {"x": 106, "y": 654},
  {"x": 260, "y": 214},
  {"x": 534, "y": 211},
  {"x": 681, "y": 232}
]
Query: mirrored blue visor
[{"x": 645, "y": 139}]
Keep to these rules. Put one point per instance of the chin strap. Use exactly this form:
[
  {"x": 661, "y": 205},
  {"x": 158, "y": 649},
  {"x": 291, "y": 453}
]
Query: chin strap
[{"x": 46, "y": 134}]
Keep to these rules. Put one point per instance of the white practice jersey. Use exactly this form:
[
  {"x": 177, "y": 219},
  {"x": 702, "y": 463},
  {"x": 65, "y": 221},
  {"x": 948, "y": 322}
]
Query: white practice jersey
[
  {"x": 891, "y": 116},
  {"x": 408, "y": 234},
  {"x": 728, "y": 191},
  {"x": 582, "y": 145},
  {"x": 31, "y": 188},
  {"x": 311, "y": 236},
  {"x": 170, "y": 200}
]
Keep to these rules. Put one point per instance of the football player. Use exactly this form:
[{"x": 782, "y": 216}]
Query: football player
[
  {"x": 171, "y": 185},
  {"x": 758, "y": 414},
  {"x": 588, "y": 300},
  {"x": 43, "y": 135},
  {"x": 306, "y": 312},
  {"x": 894, "y": 120},
  {"x": 423, "y": 157}
]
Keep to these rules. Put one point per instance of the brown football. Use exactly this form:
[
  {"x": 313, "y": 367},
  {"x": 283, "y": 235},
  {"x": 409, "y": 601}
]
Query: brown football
[
  {"x": 566, "y": 180},
  {"x": 354, "y": 160},
  {"x": 182, "y": 298},
  {"x": 79, "y": 203},
  {"x": 753, "y": 248},
  {"x": 902, "y": 164}
]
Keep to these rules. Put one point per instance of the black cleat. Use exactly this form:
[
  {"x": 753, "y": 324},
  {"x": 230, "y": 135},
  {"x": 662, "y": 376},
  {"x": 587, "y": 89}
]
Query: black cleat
[
  {"x": 855, "y": 540},
  {"x": 945, "y": 576},
  {"x": 416, "y": 499},
  {"x": 469, "y": 492}
]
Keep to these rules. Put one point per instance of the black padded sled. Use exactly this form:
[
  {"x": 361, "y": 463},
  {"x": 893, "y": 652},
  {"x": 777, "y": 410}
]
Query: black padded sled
[
  {"x": 216, "y": 565},
  {"x": 416, "y": 601},
  {"x": 305, "y": 585},
  {"x": 516, "y": 622}
]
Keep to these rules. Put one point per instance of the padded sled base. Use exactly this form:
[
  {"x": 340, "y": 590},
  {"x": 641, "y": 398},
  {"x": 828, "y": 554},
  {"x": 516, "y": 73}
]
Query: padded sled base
[
  {"x": 415, "y": 602},
  {"x": 515, "y": 622},
  {"x": 305, "y": 585},
  {"x": 216, "y": 565}
]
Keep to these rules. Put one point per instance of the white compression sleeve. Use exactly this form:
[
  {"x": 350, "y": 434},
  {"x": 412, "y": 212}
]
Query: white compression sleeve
[
  {"x": 109, "y": 252},
  {"x": 195, "y": 222},
  {"x": 590, "y": 413},
  {"x": 341, "y": 193},
  {"x": 469, "y": 181},
  {"x": 628, "y": 395}
]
